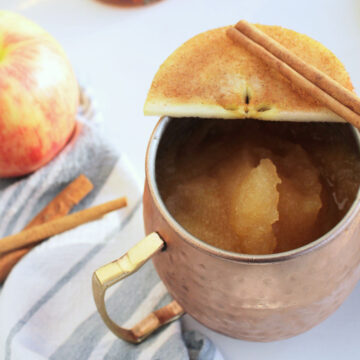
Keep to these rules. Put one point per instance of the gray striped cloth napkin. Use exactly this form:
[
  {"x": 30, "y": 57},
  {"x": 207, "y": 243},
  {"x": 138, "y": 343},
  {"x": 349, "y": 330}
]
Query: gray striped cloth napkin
[{"x": 46, "y": 305}]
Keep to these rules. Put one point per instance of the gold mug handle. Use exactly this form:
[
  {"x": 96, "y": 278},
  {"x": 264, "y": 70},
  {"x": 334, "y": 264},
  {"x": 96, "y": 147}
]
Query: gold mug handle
[{"x": 108, "y": 275}]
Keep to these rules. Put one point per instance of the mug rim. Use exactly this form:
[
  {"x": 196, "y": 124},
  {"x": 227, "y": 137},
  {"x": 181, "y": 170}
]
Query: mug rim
[{"x": 150, "y": 167}]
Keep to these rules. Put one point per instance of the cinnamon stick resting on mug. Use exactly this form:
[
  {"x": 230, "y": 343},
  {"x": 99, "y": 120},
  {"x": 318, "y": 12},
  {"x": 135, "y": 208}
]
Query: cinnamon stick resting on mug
[
  {"x": 328, "y": 91},
  {"x": 59, "y": 206},
  {"x": 40, "y": 232}
]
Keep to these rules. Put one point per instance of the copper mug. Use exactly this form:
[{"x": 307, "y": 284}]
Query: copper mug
[{"x": 252, "y": 297}]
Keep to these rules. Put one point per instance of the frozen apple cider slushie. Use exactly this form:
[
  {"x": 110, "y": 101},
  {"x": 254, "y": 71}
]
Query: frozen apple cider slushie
[
  {"x": 255, "y": 187},
  {"x": 251, "y": 198},
  {"x": 248, "y": 185}
]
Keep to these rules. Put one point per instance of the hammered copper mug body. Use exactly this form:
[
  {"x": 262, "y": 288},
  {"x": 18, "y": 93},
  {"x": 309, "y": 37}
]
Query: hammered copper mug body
[{"x": 252, "y": 297}]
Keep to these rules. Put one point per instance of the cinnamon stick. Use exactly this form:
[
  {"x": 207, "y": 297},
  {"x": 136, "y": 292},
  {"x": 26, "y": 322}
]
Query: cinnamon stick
[
  {"x": 310, "y": 72},
  {"x": 38, "y": 233},
  {"x": 64, "y": 201},
  {"x": 338, "y": 99},
  {"x": 58, "y": 207}
]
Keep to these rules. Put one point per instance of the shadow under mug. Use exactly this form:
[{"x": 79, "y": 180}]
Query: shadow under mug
[{"x": 252, "y": 297}]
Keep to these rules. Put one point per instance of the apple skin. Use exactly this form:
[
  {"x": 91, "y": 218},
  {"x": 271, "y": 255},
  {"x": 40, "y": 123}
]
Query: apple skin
[{"x": 39, "y": 96}]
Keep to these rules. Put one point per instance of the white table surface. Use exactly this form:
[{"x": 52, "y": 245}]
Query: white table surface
[{"x": 118, "y": 50}]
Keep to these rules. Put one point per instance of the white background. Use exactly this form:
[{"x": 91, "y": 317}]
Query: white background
[{"x": 117, "y": 51}]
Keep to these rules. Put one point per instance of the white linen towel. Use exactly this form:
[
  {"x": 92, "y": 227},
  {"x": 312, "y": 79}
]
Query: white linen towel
[{"x": 46, "y": 305}]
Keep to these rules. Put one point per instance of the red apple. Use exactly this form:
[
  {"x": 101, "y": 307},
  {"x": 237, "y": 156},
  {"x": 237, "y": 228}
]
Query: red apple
[{"x": 38, "y": 96}]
